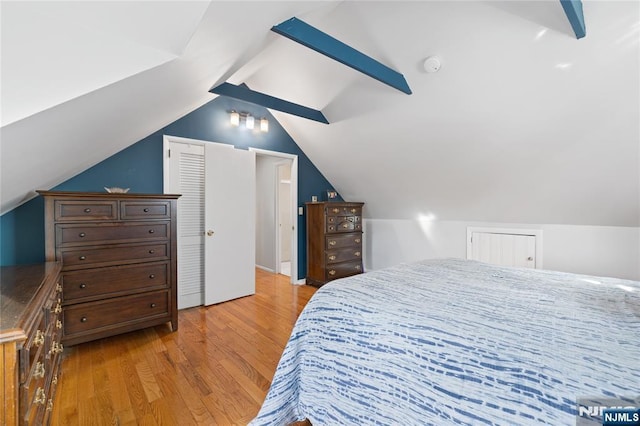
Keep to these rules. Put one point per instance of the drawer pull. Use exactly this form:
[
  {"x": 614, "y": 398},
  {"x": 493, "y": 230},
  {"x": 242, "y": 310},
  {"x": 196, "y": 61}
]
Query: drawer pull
[
  {"x": 332, "y": 243},
  {"x": 82, "y": 235},
  {"x": 353, "y": 210},
  {"x": 39, "y": 339},
  {"x": 332, "y": 272},
  {"x": 58, "y": 288},
  {"x": 335, "y": 210},
  {"x": 56, "y": 348},
  {"x": 357, "y": 267},
  {"x": 58, "y": 324},
  {"x": 87, "y": 210},
  {"x": 83, "y": 258},
  {"x": 50, "y": 405},
  {"x": 153, "y": 305},
  {"x": 151, "y": 251},
  {"x": 57, "y": 309},
  {"x": 83, "y": 285},
  {"x": 146, "y": 210},
  {"x": 152, "y": 276},
  {"x": 55, "y": 380},
  {"x": 151, "y": 231},
  {"x": 332, "y": 257},
  {"x": 39, "y": 370},
  {"x": 41, "y": 397},
  {"x": 357, "y": 240},
  {"x": 357, "y": 253},
  {"x": 83, "y": 319},
  {"x": 345, "y": 225}
]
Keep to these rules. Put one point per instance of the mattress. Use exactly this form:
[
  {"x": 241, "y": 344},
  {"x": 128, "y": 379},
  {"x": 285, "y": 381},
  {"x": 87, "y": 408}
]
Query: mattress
[{"x": 458, "y": 342}]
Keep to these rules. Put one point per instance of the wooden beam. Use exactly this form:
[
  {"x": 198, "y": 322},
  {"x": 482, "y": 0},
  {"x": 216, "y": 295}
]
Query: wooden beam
[
  {"x": 245, "y": 94},
  {"x": 311, "y": 37},
  {"x": 573, "y": 10}
]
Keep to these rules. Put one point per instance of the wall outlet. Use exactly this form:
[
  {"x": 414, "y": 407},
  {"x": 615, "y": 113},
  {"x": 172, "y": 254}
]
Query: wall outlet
[{"x": 314, "y": 198}]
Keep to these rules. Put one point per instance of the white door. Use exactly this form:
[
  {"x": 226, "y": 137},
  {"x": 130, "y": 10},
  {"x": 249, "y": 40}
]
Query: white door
[
  {"x": 230, "y": 220},
  {"x": 504, "y": 249},
  {"x": 212, "y": 179},
  {"x": 184, "y": 174}
]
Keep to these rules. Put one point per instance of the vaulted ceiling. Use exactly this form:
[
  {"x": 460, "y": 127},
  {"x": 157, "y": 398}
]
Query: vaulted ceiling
[{"x": 523, "y": 123}]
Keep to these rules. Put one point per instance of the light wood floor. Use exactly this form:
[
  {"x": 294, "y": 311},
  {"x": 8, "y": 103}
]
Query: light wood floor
[{"x": 216, "y": 369}]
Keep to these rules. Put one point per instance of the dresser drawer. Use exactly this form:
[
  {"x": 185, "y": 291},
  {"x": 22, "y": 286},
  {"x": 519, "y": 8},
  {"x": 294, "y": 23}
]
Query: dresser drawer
[
  {"x": 33, "y": 349},
  {"x": 112, "y": 281},
  {"x": 34, "y": 394},
  {"x": 343, "y": 210},
  {"x": 336, "y": 256},
  {"x": 345, "y": 269},
  {"x": 345, "y": 240},
  {"x": 344, "y": 224},
  {"x": 68, "y": 210},
  {"x": 67, "y": 234},
  {"x": 132, "y": 210},
  {"x": 130, "y": 253},
  {"x": 91, "y": 317}
]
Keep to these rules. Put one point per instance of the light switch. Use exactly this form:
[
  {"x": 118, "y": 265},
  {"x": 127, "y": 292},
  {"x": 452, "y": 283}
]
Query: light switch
[{"x": 300, "y": 211}]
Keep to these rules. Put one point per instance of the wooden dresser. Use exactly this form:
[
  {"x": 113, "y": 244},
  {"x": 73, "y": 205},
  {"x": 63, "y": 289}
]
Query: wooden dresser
[
  {"x": 334, "y": 241},
  {"x": 30, "y": 348},
  {"x": 118, "y": 254}
]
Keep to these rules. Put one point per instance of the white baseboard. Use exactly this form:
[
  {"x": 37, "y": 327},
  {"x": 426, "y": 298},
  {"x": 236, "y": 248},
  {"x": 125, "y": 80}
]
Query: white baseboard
[{"x": 264, "y": 268}]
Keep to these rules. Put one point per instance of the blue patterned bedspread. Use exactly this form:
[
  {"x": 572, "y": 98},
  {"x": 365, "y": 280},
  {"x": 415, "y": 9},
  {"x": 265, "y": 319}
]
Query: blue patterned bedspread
[{"x": 457, "y": 342}]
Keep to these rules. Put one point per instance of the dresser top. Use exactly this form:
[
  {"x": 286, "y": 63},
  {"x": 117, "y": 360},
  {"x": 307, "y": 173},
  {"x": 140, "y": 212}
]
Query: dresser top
[
  {"x": 19, "y": 286},
  {"x": 76, "y": 194}
]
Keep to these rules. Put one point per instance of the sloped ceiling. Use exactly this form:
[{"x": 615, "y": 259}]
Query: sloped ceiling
[{"x": 523, "y": 123}]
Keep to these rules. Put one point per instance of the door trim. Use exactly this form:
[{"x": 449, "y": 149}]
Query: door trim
[
  {"x": 537, "y": 233},
  {"x": 294, "y": 209}
]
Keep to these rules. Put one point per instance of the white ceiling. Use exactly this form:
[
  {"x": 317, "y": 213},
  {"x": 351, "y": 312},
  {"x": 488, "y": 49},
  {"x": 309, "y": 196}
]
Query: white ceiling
[{"x": 523, "y": 123}]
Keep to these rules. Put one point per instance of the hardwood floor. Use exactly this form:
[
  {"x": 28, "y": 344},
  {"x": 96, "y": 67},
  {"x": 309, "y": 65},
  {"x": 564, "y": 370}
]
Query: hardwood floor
[{"x": 216, "y": 369}]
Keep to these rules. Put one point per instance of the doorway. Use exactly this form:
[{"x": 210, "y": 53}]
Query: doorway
[{"x": 276, "y": 212}]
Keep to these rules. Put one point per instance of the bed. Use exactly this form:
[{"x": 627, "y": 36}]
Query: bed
[{"x": 458, "y": 342}]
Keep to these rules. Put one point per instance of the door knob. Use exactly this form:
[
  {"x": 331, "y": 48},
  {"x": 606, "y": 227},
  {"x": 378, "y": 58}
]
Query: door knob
[{"x": 209, "y": 232}]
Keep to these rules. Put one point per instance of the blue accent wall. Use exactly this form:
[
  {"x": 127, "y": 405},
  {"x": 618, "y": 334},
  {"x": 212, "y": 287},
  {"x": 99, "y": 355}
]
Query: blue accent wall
[{"x": 139, "y": 167}]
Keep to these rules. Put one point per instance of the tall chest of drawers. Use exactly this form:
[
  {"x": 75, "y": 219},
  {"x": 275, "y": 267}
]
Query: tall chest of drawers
[
  {"x": 119, "y": 261},
  {"x": 334, "y": 241},
  {"x": 30, "y": 348}
]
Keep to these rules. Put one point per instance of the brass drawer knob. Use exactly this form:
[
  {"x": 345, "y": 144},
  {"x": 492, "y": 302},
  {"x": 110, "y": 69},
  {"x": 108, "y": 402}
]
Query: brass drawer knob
[
  {"x": 83, "y": 285},
  {"x": 87, "y": 210},
  {"x": 57, "y": 309},
  {"x": 353, "y": 210},
  {"x": 151, "y": 231},
  {"x": 146, "y": 210},
  {"x": 336, "y": 210},
  {"x": 58, "y": 288},
  {"x": 58, "y": 324},
  {"x": 39, "y": 339},
  {"x": 332, "y": 257},
  {"x": 56, "y": 348},
  {"x": 357, "y": 253},
  {"x": 82, "y": 235},
  {"x": 151, "y": 251},
  {"x": 83, "y": 258},
  {"x": 152, "y": 276},
  {"x": 39, "y": 370},
  {"x": 83, "y": 319},
  {"x": 153, "y": 305},
  {"x": 332, "y": 272},
  {"x": 41, "y": 397},
  {"x": 332, "y": 243},
  {"x": 357, "y": 240},
  {"x": 50, "y": 405}
]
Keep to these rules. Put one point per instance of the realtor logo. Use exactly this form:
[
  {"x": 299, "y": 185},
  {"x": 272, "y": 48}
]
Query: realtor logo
[{"x": 608, "y": 411}]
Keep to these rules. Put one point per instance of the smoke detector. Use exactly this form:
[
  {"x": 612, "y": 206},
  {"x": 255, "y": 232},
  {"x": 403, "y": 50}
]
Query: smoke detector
[{"x": 432, "y": 64}]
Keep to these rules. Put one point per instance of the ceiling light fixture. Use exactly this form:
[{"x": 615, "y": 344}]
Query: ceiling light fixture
[{"x": 236, "y": 118}]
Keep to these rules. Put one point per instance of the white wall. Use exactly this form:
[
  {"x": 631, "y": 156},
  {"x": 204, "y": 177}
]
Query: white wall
[{"x": 594, "y": 250}]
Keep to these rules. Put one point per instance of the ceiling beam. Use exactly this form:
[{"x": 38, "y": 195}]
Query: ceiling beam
[
  {"x": 245, "y": 94},
  {"x": 303, "y": 33},
  {"x": 573, "y": 10}
]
